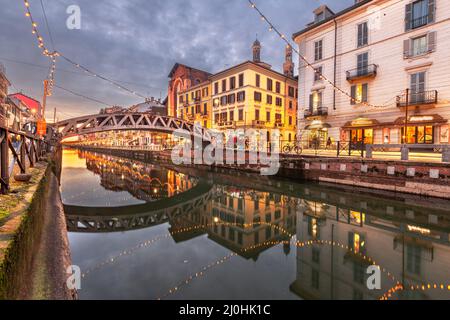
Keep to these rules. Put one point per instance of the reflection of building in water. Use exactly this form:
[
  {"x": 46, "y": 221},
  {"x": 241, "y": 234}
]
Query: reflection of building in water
[
  {"x": 238, "y": 219},
  {"x": 129, "y": 138},
  {"x": 144, "y": 181},
  {"x": 415, "y": 250}
]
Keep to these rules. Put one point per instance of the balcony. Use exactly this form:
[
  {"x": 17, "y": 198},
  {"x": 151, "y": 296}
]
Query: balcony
[
  {"x": 369, "y": 71},
  {"x": 278, "y": 124},
  {"x": 258, "y": 123},
  {"x": 320, "y": 111},
  {"x": 226, "y": 124},
  {"x": 418, "y": 98}
]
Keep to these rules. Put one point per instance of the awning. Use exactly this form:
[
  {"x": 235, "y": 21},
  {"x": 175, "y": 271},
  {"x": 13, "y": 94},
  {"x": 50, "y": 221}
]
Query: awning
[
  {"x": 421, "y": 119},
  {"x": 362, "y": 122},
  {"x": 317, "y": 126}
]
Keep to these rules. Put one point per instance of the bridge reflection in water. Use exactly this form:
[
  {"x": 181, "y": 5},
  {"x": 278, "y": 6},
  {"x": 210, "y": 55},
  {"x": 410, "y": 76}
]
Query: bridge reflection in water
[{"x": 290, "y": 240}]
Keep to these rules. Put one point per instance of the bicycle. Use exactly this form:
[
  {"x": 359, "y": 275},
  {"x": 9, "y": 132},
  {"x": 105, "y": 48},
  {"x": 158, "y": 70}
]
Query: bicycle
[{"x": 292, "y": 148}]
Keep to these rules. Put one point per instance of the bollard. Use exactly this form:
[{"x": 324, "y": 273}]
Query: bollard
[
  {"x": 369, "y": 151},
  {"x": 405, "y": 153}
]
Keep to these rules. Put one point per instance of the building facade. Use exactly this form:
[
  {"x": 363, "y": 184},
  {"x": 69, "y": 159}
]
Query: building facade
[
  {"x": 194, "y": 104},
  {"x": 390, "y": 57},
  {"x": 248, "y": 95},
  {"x": 4, "y": 84}
]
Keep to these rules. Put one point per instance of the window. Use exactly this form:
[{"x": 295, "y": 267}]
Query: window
[
  {"x": 258, "y": 80},
  {"x": 241, "y": 80},
  {"x": 417, "y": 88},
  {"x": 241, "y": 115},
  {"x": 232, "y": 115},
  {"x": 278, "y": 87},
  {"x": 198, "y": 109},
  {"x": 420, "y": 13},
  {"x": 419, "y": 135},
  {"x": 269, "y": 84},
  {"x": 257, "y": 118},
  {"x": 419, "y": 46},
  {"x": 231, "y": 98},
  {"x": 278, "y": 102},
  {"x": 278, "y": 118},
  {"x": 224, "y": 85},
  {"x": 290, "y": 104},
  {"x": 320, "y": 16},
  {"x": 269, "y": 99},
  {"x": 315, "y": 100},
  {"x": 268, "y": 116},
  {"x": 223, "y": 100},
  {"x": 413, "y": 259},
  {"x": 318, "y": 50},
  {"x": 317, "y": 73},
  {"x": 241, "y": 96},
  {"x": 363, "y": 34},
  {"x": 205, "y": 109},
  {"x": 257, "y": 96},
  {"x": 290, "y": 120},
  {"x": 359, "y": 93},
  {"x": 291, "y": 92},
  {"x": 216, "y": 88},
  {"x": 363, "y": 63},
  {"x": 232, "y": 83},
  {"x": 216, "y": 118}
]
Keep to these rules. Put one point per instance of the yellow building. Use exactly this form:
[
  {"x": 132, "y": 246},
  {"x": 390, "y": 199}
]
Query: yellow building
[
  {"x": 248, "y": 95},
  {"x": 194, "y": 104}
]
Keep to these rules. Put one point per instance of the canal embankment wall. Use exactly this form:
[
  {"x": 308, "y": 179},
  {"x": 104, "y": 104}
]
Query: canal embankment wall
[
  {"x": 34, "y": 249},
  {"x": 393, "y": 176}
]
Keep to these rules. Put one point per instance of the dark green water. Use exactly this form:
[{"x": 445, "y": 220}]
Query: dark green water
[{"x": 140, "y": 231}]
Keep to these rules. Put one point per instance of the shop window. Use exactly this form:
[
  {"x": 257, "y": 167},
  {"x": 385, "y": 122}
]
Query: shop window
[
  {"x": 419, "y": 135},
  {"x": 361, "y": 135}
]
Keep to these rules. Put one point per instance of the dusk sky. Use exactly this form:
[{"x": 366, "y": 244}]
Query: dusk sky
[{"x": 136, "y": 43}]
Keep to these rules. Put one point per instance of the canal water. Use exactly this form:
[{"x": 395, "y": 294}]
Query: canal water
[{"x": 141, "y": 231}]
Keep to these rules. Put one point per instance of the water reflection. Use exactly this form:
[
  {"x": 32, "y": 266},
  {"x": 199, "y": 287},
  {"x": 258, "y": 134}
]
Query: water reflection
[{"x": 211, "y": 237}]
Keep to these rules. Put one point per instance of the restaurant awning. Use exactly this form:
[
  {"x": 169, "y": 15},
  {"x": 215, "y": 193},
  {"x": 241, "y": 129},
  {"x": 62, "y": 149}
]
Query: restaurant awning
[
  {"x": 318, "y": 126},
  {"x": 422, "y": 119},
  {"x": 362, "y": 122}
]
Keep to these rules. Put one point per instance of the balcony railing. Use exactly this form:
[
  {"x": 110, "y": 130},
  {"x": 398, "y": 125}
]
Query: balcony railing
[
  {"x": 418, "y": 22},
  {"x": 258, "y": 123},
  {"x": 278, "y": 124},
  {"x": 418, "y": 98},
  {"x": 364, "y": 72},
  {"x": 226, "y": 124},
  {"x": 320, "y": 111}
]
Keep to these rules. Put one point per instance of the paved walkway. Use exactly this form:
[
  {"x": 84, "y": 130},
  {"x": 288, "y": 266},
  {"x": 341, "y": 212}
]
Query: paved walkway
[{"x": 378, "y": 155}]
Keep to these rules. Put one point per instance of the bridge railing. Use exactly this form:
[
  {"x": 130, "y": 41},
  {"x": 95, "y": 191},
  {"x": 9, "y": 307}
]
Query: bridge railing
[{"x": 406, "y": 149}]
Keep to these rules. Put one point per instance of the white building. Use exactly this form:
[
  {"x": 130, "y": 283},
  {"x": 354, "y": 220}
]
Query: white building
[{"x": 374, "y": 51}]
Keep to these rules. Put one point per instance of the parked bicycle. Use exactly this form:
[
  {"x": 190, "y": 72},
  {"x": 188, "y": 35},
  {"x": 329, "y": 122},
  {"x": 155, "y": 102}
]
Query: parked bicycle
[{"x": 292, "y": 148}]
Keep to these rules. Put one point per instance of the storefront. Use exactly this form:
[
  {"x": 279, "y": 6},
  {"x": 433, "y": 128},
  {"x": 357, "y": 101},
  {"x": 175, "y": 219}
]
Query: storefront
[
  {"x": 316, "y": 135},
  {"x": 424, "y": 129},
  {"x": 361, "y": 130}
]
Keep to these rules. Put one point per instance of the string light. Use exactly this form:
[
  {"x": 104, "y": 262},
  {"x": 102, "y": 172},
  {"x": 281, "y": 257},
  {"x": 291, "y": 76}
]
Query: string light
[
  {"x": 307, "y": 63},
  {"x": 53, "y": 54}
]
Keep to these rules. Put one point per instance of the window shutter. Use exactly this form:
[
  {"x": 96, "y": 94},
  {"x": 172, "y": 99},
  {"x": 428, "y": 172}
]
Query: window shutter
[
  {"x": 311, "y": 102},
  {"x": 366, "y": 33},
  {"x": 432, "y": 41},
  {"x": 320, "y": 100},
  {"x": 431, "y": 10},
  {"x": 365, "y": 93},
  {"x": 407, "y": 48},
  {"x": 353, "y": 94},
  {"x": 408, "y": 16}
]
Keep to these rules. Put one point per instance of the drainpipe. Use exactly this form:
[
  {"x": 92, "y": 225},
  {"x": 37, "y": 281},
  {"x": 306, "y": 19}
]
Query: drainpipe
[{"x": 335, "y": 60}]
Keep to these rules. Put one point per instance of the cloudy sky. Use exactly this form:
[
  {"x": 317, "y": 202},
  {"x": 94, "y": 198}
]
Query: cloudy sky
[{"x": 136, "y": 42}]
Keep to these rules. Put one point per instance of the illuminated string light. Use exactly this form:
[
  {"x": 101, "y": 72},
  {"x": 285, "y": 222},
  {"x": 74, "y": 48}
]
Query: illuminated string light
[
  {"x": 307, "y": 63},
  {"x": 53, "y": 54}
]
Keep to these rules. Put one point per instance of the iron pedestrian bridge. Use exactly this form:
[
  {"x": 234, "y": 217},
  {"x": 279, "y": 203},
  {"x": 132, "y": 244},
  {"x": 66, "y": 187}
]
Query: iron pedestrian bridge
[
  {"x": 117, "y": 219},
  {"x": 127, "y": 121}
]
